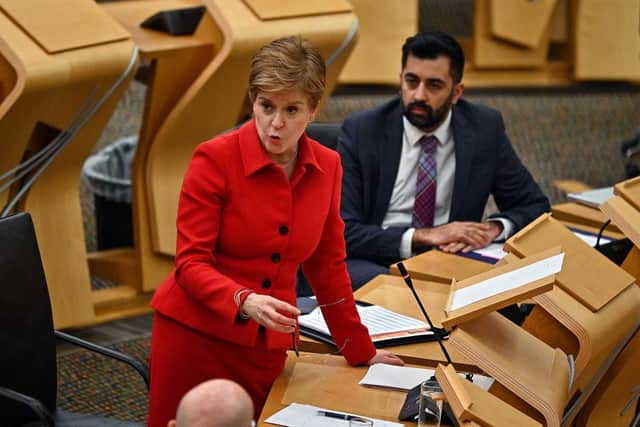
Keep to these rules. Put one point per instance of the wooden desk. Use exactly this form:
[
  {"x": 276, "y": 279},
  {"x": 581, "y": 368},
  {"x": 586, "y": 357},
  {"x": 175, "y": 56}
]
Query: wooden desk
[
  {"x": 57, "y": 59},
  {"x": 583, "y": 217},
  {"x": 198, "y": 89},
  {"x": 391, "y": 292},
  {"x": 441, "y": 267},
  {"x": 329, "y": 382}
]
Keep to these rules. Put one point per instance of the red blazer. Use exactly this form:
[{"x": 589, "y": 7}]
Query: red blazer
[{"x": 243, "y": 224}]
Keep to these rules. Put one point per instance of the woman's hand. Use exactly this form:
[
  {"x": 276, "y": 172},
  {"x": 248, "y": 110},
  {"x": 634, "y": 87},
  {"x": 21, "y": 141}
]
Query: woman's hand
[
  {"x": 384, "y": 356},
  {"x": 268, "y": 311}
]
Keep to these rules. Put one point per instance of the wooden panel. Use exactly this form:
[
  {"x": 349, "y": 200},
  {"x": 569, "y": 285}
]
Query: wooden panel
[
  {"x": 441, "y": 267},
  {"x": 48, "y": 94},
  {"x": 519, "y": 361},
  {"x": 278, "y": 9},
  {"x": 580, "y": 214},
  {"x": 629, "y": 190},
  {"x": 560, "y": 25},
  {"x": 470, "y": 403},
  {"x": 625, "y": 216},
  {"x": 489, "y": 51},
  {"x": 607, "y": 42},
  {"x": 130, "y": 14},
  {"x": 614, "y": 401},
  {"x": 383, "y": 30},
  {"x": 62, "y": 25},
  {"x": 585, "y": 271},
  {"x": 501, "y": 299},
  {"x": 523, "y": 22}
]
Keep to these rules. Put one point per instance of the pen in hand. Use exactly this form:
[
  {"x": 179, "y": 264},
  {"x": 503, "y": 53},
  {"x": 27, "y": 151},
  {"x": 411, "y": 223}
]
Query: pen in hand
[{"x": 294, "y": 341}]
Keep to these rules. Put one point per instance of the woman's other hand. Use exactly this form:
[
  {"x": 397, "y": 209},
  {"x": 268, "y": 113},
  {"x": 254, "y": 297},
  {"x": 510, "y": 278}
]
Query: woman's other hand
[
  {"x": 384, "y": 356},
  {"x": 271, "y": 312}
]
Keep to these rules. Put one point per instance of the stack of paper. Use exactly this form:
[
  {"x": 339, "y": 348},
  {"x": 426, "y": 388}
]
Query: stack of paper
[{"x": 385, "y": 326}]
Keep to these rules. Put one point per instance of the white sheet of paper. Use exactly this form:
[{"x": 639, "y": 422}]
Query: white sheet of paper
[
  {"x": 494, "y": 250},
  {"x": 405, "y": 377},
  {"x": 299, "y": 415},
  {"x": 590, "y": 239},
  {"x": 506, "y": 282},
  {"x": 400, "y": 377},
  {"x": 593, "y": 198}
]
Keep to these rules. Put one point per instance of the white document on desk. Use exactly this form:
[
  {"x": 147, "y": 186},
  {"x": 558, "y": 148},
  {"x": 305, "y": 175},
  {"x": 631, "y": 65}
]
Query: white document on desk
[
  {"x": 406, "y": 377},
  {"x": 399, "y": 377},
  {"x": 495, "y": 250},
  {"x": 506, "y": 281},
  {"x": 299, "y": 415},
  {"x": 377, "y": 319}
]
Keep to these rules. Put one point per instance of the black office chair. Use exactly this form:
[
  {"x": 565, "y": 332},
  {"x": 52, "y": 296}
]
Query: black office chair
[
  {"x": 326, "y": 133},
  {"x": 28, "y": 373}
]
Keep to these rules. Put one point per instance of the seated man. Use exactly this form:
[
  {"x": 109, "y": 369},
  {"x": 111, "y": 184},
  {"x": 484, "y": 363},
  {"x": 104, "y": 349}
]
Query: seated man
[
  {"x": 418, "y": 170},
  {"x": 215, "y": 403}
]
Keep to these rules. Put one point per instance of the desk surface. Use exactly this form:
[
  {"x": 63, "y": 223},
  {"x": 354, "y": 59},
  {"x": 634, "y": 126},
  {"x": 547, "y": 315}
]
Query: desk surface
[
  {"x": 391, "y": 292},
  {"x": 584, "y": 217},
  {"x": 329, "y": 382},
  {"x": 130, "y": 14},
  {"x": 439, "y": 266}
]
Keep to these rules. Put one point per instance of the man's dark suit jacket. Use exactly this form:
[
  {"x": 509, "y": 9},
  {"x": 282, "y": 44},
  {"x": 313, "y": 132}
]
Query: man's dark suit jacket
[{"x": 370, "y": 145}]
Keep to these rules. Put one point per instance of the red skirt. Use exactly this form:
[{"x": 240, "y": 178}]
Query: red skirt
[{"x": 182, "y": 358}]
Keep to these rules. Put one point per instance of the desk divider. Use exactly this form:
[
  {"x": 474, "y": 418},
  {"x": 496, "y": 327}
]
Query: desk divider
[
  {"x": 525, "y": 365},
  {"x": 472, "y": 404},
  {"x": 502, "y": 299},
  {"x": 584, "y": 270}
]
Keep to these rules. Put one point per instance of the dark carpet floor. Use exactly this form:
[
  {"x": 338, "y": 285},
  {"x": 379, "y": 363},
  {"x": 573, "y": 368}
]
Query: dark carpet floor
[{"x": 93, "y": 384}]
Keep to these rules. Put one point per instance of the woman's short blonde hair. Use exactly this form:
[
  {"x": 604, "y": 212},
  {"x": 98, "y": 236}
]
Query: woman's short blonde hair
[{"x": 285, "y": 64}]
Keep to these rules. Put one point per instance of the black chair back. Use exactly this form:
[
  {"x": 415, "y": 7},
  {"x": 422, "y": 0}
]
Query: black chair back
[
  {"x": 27, "y": 342},
  {"x": 325, "y": 133}
]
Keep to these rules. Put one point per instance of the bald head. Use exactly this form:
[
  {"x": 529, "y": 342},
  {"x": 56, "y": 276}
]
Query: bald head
[{"x": 215, "y": 403}]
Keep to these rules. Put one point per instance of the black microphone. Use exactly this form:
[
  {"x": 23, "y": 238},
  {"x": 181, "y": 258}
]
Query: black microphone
[{"x": 440, "y": 333}]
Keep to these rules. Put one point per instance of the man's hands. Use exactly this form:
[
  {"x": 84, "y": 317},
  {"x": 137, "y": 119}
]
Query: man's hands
[
  {"x": 267, "y": 311},
  {"x": 458, "y": 236},
  {"x": 384, "y": 356}
]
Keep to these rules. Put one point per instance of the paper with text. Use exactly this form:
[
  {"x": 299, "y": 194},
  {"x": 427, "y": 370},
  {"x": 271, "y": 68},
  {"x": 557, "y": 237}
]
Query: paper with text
[
  {"x": 378, "y": 320},
  {"x": 299, "y": 415},
  {"x": 506, "y": 282}
]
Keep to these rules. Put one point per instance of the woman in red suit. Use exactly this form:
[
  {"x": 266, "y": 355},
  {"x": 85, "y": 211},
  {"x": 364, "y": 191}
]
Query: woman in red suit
[{"x": 256, "y": 204}]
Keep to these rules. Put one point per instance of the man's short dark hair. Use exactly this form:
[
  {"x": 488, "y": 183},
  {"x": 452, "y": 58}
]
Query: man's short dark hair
[{"x": 430, "y": 45}]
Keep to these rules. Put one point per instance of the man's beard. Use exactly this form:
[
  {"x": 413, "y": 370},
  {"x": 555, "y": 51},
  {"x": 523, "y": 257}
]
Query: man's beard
[{"x": 429, "y": 120}]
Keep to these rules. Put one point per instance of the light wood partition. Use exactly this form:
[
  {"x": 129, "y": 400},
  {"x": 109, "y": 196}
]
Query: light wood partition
[
  {"x": 532, "y": 371},
  {"x": 607, "y": 41},
  {"x": 441, "y": 267},
  {"x": 584, "y": 217},
  {"x": 378, "y": 52},
  {"x": 50, "y": 74},
  {"x": 198, "y": 89},
  {"x": 614, "y": 401},
  {"x": 470, "y": 403},
  {"x": 491, "y": 52}
]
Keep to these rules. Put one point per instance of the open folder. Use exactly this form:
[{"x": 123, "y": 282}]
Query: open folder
[{"x": 386, "y": 327}]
